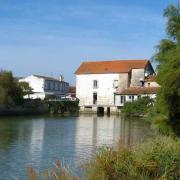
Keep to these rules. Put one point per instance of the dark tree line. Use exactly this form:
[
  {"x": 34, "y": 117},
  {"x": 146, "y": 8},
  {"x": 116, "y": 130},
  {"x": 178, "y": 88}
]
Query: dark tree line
[{"x": 11, "y": 91}]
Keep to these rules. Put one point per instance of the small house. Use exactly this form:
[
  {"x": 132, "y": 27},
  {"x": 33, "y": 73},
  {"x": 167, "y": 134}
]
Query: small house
[{"x": 43, "y": 86}]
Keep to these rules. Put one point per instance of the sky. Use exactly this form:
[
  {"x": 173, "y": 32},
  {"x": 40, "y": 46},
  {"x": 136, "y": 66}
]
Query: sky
[{"x": 53, "y": 37}]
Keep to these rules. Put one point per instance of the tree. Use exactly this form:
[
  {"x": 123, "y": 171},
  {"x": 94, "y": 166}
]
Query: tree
[
  {"x": 27, "y": 90},
  {"x": 10, "y": 90},
  {"x": 173, "y": 25},
  {"x": 168, "y": 59}
]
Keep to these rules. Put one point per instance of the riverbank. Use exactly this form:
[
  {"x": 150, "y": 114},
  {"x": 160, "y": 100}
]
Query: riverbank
[
  {"x": 157, "y": 158},
  {"x": 27, "y": 107},
  {"x": 41, "y": 107}
]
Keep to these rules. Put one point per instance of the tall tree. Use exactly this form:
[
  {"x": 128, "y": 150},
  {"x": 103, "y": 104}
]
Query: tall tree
[{"x": 168, "y": 58}]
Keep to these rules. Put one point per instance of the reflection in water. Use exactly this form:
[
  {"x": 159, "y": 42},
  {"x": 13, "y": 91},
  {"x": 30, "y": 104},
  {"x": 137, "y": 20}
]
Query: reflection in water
[
  {"x": 41, "y": 141},
  {"x": 93, "y": 131},
  {"x": 37, "y": 139}
]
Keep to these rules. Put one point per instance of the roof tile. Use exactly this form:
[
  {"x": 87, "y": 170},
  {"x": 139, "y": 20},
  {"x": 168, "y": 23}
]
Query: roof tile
[
  {"x": 139, "y": 90},
  {"x": 117, "y": 66}
]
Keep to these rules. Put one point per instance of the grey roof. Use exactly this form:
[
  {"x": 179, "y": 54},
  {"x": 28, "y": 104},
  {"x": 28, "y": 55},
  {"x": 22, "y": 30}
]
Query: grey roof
[{"x": 48, "y": 78}]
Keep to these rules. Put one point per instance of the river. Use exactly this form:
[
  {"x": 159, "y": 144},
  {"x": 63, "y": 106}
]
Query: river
[{"x": 41, "y": 140}]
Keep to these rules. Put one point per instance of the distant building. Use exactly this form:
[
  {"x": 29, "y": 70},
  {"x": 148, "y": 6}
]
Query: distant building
[
  {"x": 108, "y": 85},
  {"x": 43, "y": 86},
  {"x": 72, "y": 92}
]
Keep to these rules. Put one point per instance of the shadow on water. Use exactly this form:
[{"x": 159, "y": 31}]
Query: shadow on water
[{"x": 40, "y": 140}]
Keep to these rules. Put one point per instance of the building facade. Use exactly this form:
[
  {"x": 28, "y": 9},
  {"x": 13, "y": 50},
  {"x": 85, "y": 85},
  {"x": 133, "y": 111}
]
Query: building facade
[
  {"x": 101, "y": 84},
  {"x": 43, "y": 86}
]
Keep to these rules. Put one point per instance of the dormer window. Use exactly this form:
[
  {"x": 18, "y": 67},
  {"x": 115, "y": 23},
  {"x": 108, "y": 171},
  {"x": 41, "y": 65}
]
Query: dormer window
[{"x": 95, "y": 84}]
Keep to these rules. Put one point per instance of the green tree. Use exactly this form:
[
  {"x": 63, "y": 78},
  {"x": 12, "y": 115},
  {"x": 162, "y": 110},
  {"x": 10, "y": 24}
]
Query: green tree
[
  {"x": 10, "y": 90},
  {"x": 168, "y": 59},
  {"x": 27, "y": 90}
]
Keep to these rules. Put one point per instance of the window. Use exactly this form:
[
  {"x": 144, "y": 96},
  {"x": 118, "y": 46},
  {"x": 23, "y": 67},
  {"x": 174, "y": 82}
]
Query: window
[
  {"x": 94, "y": 98},
  {"x": 46, "y": 85},
  {"x": 132, "y": 98},
  {"x": 123, "y": 99},
  {"x": 115, "y": 84},
  {"x": 95, "y": 84},
  {"x": 51, "y": 85},
  {"x": 56, "y": 86},
  {"x": 129, "y": 97}
]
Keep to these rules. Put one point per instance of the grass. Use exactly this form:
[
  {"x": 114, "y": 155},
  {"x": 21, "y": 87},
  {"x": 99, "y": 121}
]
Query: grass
[
  {"x": 155, "y": 159},
  {"x": 57, "y": 173}
]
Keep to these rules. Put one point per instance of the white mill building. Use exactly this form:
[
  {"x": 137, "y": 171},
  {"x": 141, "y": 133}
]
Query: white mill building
[{"x": 109, "y": 84}]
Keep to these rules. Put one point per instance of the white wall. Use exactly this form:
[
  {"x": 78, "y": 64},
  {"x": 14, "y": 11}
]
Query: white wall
[
  {"x": 151, "y": 84},
  {"x": 39, "y": 87},
  {"x": 128, "y": 99},
  {"x": 35, "y": 96},
  {"x": 136, "y": 75},
  {"x": 123, "y": 80},
  {"x": 37, "y": 84},
  {"x": 105, "y": 90}
]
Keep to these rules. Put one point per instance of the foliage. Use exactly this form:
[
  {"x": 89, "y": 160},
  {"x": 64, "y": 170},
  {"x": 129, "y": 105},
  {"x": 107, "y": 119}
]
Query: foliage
[
  {"x": 155, "y": 159},
  {"x": 137, "y": 108},
  {"x": 60, "y": 107},
  {"x": 168, "y": 59},
  {"x": 57, "y": 173},
  {"x": 173, "y": 24},
  {"x": 26, "y": 89},
  {"x": 10, "y": 90}
]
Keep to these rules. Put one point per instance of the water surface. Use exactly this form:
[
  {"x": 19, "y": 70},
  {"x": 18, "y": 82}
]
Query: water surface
[{"x": 39, "y": 141}]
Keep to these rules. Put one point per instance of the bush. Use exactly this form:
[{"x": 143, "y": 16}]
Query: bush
[
  {"x": 137, "y": 108},
  {"x": 60, "y": 107},
  {"x": 155, "y": 159}
]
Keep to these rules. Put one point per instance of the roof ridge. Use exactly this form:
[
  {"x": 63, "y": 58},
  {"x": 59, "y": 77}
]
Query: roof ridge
[{"x": 114, "y": 60}]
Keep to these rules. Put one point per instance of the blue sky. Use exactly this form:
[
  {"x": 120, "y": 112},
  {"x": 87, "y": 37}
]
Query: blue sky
[{"x": 52, "y": 37}]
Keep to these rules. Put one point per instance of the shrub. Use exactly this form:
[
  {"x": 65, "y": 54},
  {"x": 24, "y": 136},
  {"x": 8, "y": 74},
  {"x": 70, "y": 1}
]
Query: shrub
[
  {"x": 155, "y": 159},
  {"x": 137, "y": 108}
]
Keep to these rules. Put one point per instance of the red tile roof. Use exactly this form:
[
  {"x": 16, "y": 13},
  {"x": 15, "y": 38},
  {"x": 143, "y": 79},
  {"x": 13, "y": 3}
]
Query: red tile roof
[
  {"x": 117, "y": 66},
  {"x": 139, "y": 90}
]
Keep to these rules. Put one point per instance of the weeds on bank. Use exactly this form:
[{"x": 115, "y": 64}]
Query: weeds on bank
[
  {"x": 57, "y": 173},
  {"x": 154, "y": 159}
]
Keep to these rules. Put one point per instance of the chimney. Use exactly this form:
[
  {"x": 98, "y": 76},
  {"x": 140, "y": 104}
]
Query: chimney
[{"x": 61, "y": 78}]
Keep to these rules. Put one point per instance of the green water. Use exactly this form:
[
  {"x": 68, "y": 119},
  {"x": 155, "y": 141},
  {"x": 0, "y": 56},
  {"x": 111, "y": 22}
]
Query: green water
[{"x": 39, "y": 141}]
